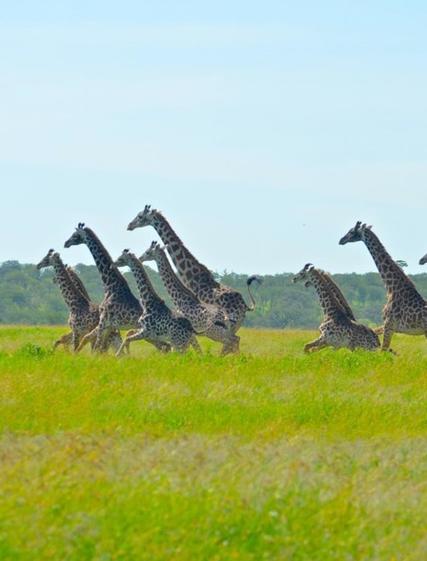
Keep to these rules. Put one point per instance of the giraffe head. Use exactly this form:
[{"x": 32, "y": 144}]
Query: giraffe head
[
  {"x": 78, "y": 237},
  {"x": 355, "y": 234},
  {"x": 124, "y": 259},
  {"x": 303, "y": 275},
  {"x": 47, "y": 261},
  {"x": 423, "y": 260},
  {"x": 143, "y": 218},
  {"x": 152, "y": 252}
]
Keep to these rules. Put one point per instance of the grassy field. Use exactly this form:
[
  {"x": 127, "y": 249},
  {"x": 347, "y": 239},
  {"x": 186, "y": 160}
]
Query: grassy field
[{"x": 267, "y": 455}]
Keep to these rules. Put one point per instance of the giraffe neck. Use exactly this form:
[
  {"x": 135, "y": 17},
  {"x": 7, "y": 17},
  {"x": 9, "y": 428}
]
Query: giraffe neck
[
  {"x": 146, "y": 291},
  {"x": 329, "y": 304},
  {"x": 78, "y": 282},
  {"x": 392, "y": 275},
  {"x": 111, "y": 277},
  {"x": 179, "y": 293},
  {"x": 72, "y": 296},
  {"x": 189, "y": 268}
]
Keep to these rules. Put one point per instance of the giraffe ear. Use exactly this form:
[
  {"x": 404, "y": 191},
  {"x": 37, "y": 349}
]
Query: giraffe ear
[{"x": 369, "y": 227}]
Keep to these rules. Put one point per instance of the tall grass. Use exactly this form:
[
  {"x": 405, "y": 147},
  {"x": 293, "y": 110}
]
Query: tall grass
[{"x": 268, "y": 455}]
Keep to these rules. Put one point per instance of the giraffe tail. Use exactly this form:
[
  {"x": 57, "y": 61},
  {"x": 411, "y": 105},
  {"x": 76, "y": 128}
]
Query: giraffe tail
[{"x": 251, "y": 279}]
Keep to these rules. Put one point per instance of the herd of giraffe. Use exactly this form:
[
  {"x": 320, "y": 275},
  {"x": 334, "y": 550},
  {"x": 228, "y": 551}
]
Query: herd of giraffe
[{"x": 203, "y": 306}]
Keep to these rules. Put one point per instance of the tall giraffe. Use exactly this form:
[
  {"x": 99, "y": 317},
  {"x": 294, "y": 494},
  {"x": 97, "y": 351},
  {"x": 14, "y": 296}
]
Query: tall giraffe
[
  {"x": 206, "y": 319},
  {"x": 158, "y": 323},
  {"x": 120, "y": 309},
  {"x": 405, "y": 310},
  {"x": 196, "y": 276},
  {"x": 337, "y": 328}
]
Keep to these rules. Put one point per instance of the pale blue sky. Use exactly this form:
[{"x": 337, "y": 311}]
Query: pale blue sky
[{"x": 263, "y": 130}]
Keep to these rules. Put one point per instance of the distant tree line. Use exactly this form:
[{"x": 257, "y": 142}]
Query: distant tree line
[{"x": 28, "y": 296}]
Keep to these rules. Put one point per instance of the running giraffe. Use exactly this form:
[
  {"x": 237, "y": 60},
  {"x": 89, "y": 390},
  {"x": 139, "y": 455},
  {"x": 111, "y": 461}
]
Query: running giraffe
[
  {"x": 337, "y": 329},
  {"x": 120, "y": 309},
  {"x": 405, "y": 310}
]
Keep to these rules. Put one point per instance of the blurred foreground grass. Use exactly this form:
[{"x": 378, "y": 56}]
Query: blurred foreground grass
[{"x": 268, "y": 455}]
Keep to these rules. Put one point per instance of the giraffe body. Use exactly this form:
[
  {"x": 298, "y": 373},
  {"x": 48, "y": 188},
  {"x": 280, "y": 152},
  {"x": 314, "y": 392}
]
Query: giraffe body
[
  {"x": 338, "y": 329},
  {"x": 195, "y": 275},
  {"x": 120, "y": 309},
  {"x": 209, "y": 320},
  {"x": 158, "y": 322},
  {"x": 405, "y": 310}
]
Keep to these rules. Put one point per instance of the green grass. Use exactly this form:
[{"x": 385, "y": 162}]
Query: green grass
[{"x": 268, "y": 455}]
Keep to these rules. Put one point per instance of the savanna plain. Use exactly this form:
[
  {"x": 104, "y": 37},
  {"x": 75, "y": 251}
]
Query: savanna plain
[{"x": 271, "y": 454}]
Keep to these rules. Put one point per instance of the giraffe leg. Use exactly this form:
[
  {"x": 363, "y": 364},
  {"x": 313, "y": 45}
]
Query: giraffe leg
[
  {"x": 195, "y": 344},
  {"x": 76, "y": 338},
  {"x": 388, "y": 334},
  {"x": 315, "y": 345},
  {"x": 125, "y": 348},
  {"x": 103, "y": 330},
  {"x": 231, "y": 345},
  {"x": 65, "y": 340},
  {"x": 133, "y": 335},
  {"x": 88, "y": 338},
  {"x": 161, "y": 346}
]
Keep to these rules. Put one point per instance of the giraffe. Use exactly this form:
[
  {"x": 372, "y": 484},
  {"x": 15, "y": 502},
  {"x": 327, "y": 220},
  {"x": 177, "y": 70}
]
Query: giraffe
[
  {"x": 405, "y": 310},
  {"x": 205, "y": 318},
  {"x": 120, "y": 309},
  {"x": 337, "y": 329},
  {"x": 196, "y": 276},
  {"x": 84, "y": 315},
  {"x": 158, "y": 322}
]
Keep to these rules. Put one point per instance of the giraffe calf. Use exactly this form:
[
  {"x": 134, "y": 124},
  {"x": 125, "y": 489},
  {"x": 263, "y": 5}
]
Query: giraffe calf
[{"x": 338, "y": 329}]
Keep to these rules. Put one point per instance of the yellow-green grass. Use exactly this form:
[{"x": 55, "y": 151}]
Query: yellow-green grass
[{"x": 268, "y": 455}]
